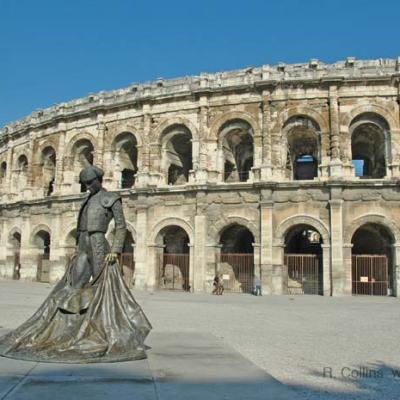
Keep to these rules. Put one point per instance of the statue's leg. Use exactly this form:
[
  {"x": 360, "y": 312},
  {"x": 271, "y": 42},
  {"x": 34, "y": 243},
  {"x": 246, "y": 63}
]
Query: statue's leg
[
  {"x": 81, "y": 271},
  {"x": 99, "y": 249}
]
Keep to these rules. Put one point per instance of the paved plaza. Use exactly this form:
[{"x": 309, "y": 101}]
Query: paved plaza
[{"x": 226, "y": 347}]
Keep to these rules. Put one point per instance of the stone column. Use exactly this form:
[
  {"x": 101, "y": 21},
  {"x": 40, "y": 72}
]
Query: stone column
[
  {"x": 326, "y": 269},
  {"x": 99, "y": 148},
  {"x": 266, "y": 210},
  {"x": 57, "y": 253},
  {"x": 8, "y": 185},
  {"x": 396, "y": 269},
  {"x": 340, "y": 283},
  {"x": 335, "y": 166},
  {"x": 144, "y": 265},
  {"x": 347, "y": 266},
  {"x": 29, "y": 253},
  {"x": 199, "y": 264},
  {"x": 266, "y": 167},
  {"x": 191, "y": 267},
  {"x": 58, "y": 181}
]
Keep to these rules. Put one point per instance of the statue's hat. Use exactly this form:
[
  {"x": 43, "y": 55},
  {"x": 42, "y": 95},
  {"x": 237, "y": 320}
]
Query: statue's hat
[{"x": 89, "y": 173}]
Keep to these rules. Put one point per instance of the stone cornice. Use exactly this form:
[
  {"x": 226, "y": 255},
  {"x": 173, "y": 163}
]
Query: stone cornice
[{"x": 256, "y": 79}]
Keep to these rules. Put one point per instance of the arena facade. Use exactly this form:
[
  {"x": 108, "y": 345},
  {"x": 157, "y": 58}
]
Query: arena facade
[{"x": 288, "y": 173}]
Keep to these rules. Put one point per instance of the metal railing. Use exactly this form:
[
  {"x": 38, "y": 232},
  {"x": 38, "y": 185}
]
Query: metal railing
[
  {"x": 174, "y": 271},
  {"x": 236, "y": 272},
  {"x": 370, "y": 275},
  {"x": 303, "y": 273}
]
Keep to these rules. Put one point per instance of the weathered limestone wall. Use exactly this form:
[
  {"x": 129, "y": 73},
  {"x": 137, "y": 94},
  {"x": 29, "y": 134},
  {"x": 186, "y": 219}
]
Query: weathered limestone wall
[{"x": 315, "y": 106}]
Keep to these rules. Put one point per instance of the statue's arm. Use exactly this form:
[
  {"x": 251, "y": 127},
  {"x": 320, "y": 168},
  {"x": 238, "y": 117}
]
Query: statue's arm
[{"x": 120, "y": 227}]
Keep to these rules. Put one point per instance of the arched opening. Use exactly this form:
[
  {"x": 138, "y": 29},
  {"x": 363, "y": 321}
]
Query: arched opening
[
  {"x": 15, "y": 242},
  {"x": 82, "y": 153},
  {"x": 173, "y": 271},
  {"x": 303, "y": 258},
  {"x": 48, "y": 169},
  {"x": 303, "y": 147},
  {"x": 177, "y": 154},
  {"x": 126, "y": 158},
  {"x": 21, "y": 176},
  {"x": 42, "y": 242},
  {"x": 372, "y": 260},
  {"x": 370, "y": 145},
  {"x": 3, "y": 172},
  {"x": 237, "y": 146},
  {"x": 236, "y": 262}
]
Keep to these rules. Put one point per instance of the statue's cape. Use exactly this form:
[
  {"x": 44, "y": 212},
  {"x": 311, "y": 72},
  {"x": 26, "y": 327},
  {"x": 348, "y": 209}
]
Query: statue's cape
[{"x": 99, "y": 323}]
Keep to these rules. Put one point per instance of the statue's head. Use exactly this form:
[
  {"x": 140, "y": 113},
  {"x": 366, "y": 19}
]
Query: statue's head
[{"x": 92, "y": 178}]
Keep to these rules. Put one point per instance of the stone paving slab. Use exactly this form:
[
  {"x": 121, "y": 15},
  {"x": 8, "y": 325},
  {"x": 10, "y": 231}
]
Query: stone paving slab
[{"x": 180, "y": 366}]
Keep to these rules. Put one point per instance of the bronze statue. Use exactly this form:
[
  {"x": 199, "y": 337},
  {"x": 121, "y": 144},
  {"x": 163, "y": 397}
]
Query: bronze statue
[{"x": 90, "y": 316}]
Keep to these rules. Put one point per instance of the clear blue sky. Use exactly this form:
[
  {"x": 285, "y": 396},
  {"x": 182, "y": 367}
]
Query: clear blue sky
[{"x": 57, "y": 50}]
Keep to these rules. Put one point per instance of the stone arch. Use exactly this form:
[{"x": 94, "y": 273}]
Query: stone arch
[
  {"x": 156, "y": 229},
  {"x": 129, "y": 226},
  {"x": 169, "y": 122},
  {"x": 115, "y": 131},
  {"x": 224, "y": 223},
  {"x": 374, "y": 219},
  {"x": 37, "y": 229},
  {"x": 11, "y": 233},
  {"x": 346, "y": 118},
  {"x": 305, "y": 112},
  {"x": 79, "y": 136},
  {"x": 301, "y": 219},
  {"x": 231, "y": 116}
]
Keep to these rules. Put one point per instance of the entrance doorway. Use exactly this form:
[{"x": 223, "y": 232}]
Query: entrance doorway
[
  {"x": 235, "y": 266},
  {"x": 372, "y": 261},
  {"x": 174, "y": 260},
  {"x": 303, "y": 258}
]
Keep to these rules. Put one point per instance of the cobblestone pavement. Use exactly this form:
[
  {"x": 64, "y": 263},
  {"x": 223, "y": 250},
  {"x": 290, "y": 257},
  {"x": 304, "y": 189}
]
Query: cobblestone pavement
[{"x": 355, "y": 339}]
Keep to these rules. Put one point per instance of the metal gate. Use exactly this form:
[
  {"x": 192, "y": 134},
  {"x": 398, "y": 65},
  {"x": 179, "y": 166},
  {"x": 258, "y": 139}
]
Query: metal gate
[
  {"x": 370, "y": 275},
  {"x": 127, "y": 265},
  {"x": 43, "y": 268},
  {"x": 236, "y": 272},
  {"x": 303, "y": 273},
  {"x": 174, "y": 271}
]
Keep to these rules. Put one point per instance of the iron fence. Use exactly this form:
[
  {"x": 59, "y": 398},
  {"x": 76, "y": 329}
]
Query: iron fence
[
  {"x": 174, "y": 271},
  {"x": 303, "y": 273},
  {"x": 236, "y": 272},
  {"x": 370, "y": 275}
]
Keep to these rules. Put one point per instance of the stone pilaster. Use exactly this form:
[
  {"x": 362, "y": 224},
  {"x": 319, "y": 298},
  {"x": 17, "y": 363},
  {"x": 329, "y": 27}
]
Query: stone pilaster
[
  {"x": 340, "y": 282},
  {"x": 335, "y": 167},
  {"x": 199, "y": 262},
  {"x": 266, "y": 166},
  {"x": 145, "y": 268}
]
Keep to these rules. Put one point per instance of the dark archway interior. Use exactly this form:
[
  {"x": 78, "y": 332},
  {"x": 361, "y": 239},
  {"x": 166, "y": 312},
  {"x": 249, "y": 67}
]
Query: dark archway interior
[
  {"x": 128, "y": 243},
  {"x": 369, "y": 133},
  {"x": 178, "y": 150},
  {"x": 42, "y": 241},
  {"x": 303, "y": 147},
  {"x": 374, "y": 239},
  {"x": 237, "y": 239},
  {"x": 303, "y": 239},
  {"x": 238, "y": 150},
  {"x": 127, "y": 155},
  {"x": 175, "y": 240},
  {"x": 3, "y": 171},
  {"x": 48, "y": 163},
  {"x": 303, "y": 258},
  {"x": 16, "y": 241}
]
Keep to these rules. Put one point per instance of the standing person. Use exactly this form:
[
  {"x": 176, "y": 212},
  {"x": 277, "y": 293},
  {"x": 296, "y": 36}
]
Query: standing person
[
  {"x": 257, "y": 286},
  {"x": 216, "y": 284}
]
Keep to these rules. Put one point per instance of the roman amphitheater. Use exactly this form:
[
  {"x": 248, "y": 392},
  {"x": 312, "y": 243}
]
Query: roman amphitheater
[{"x": 288, "y": 173}]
